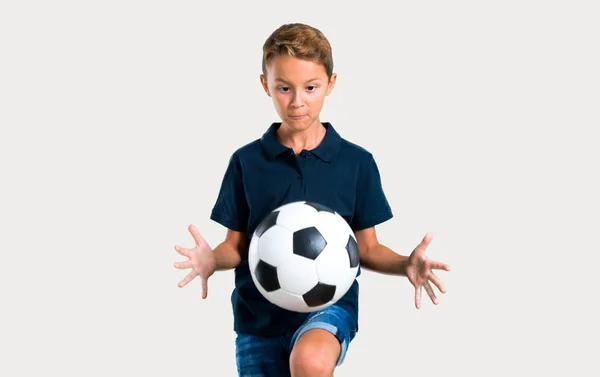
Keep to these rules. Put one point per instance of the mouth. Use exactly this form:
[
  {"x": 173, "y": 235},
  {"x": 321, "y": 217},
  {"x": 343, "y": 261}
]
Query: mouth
[{"x": 297, "y": 116}]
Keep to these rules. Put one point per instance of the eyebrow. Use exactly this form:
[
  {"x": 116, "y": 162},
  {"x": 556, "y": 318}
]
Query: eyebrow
[{"x": 283, "y": 81}]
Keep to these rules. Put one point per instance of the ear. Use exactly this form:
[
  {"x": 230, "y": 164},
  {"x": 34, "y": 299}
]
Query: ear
[
  {"x": 263, "y": 81},
  {"x": 331, "y": 83}
]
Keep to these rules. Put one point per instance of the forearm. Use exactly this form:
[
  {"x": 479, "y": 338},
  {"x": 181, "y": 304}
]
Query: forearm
[
  {"x": 227, "y": 255},
  {"x": 380, "y": 258}
]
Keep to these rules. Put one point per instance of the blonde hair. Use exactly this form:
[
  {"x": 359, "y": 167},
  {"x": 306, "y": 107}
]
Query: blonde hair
[{"x": 301, "y": 41}]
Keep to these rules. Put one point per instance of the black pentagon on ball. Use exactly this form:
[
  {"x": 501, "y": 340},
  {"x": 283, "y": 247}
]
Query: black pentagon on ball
[
  {"x": 319, "y": 295},
  {"x": 352, "y": 250},
  {"x": 319, "y": 207},
  {"x": 267, "y": 276},
  {"x": 269, "y": 221},
  {"x": 309, "y": 242}
]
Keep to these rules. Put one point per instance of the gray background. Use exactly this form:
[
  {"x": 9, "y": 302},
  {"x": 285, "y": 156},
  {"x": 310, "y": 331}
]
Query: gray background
[{"x": 118, "y": 118}]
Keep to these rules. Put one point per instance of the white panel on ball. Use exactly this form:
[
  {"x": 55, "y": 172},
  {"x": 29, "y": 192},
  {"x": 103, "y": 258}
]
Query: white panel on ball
[
  {"x": 333, "y": 265},
  {"x": 333, "y": 227},
  {"x": 296, "y": 216},
  {"x": 345, "y": 283},
  {"x": 287, "y": 300},
  {"x": 297, "y": 275},
  {"x": 275, "y": 245},
  {"x": 253, "y": 253}
]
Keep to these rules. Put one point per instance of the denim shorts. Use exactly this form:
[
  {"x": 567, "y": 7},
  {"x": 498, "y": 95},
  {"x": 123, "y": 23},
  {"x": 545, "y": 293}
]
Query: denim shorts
[{"x": 258, "y": 356}]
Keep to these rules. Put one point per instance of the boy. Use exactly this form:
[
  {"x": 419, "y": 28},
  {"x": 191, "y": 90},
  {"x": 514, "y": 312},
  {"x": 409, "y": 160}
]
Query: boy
[{"x": 299, "y": 158}]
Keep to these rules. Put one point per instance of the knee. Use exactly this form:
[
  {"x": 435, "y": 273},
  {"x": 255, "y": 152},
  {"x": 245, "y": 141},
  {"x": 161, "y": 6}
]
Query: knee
[{"x": 307, "y": 362}]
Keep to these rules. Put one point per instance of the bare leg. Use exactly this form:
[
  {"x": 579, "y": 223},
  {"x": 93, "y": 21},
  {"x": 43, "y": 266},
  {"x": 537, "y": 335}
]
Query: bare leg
[{"x": 315, "y": 354}]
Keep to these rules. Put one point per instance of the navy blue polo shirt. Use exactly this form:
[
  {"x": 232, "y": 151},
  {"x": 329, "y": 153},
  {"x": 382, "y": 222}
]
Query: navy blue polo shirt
[{"x": 264, "y": 175}]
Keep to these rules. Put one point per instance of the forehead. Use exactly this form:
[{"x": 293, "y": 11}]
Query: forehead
[{"x": 291, "y": 69}]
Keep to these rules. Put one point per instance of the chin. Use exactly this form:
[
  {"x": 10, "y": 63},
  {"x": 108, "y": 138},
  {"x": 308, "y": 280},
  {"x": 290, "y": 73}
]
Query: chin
[{"x": 299, "y": 124}]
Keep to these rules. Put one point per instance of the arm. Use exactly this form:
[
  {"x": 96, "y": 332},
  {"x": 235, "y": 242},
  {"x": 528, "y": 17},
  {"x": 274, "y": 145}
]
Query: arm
[
  {"x": 377, "y": 257},
  {"x": 229, "y": 253},
  {"x": 417, "y": 267}
]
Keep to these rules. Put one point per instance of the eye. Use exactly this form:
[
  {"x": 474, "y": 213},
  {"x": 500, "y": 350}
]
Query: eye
[
  {"x": 284, "y": 88},
  {"x": 312, "y": 88}
]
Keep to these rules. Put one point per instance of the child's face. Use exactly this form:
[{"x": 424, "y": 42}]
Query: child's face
[{"x": 298, "y": 88}]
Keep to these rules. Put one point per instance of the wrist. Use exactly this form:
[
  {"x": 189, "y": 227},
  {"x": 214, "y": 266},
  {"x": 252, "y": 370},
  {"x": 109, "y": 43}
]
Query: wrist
[{"x": 400, "y": 265}]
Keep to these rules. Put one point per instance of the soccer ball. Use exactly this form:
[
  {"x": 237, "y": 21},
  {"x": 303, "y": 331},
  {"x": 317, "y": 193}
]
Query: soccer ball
[{"x": 303, "y": 256}]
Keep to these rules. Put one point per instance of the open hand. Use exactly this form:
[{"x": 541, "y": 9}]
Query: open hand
[
  {"x": 200, "y": 259},
  {"x": 420, "y": 272}
]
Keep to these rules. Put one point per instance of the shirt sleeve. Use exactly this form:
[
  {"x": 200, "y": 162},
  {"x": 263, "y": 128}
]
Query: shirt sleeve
[
  {"x": 371, "y": 206},
  {"x": 231, "y": 208}
]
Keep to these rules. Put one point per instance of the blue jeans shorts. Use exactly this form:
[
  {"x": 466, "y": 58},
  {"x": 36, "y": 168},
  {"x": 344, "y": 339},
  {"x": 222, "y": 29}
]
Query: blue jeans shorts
[{"x": 258, "y": 356}]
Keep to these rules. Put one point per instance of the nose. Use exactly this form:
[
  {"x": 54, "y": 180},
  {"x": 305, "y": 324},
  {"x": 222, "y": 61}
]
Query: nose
[{"x": 297, "y": 100}]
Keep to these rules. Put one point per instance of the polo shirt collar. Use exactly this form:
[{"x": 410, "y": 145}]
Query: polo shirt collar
[{"x": 325, "y": 151}]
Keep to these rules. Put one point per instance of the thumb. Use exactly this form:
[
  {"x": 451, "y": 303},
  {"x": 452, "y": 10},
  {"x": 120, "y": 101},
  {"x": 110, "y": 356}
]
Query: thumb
[
  {"x": 426, "y": 240},
  {"x": 204, "y": 288},
  {"x": 196, "y": 234}
]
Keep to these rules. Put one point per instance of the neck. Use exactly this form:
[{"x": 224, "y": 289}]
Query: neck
[{"x": 299, "y": 140}]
